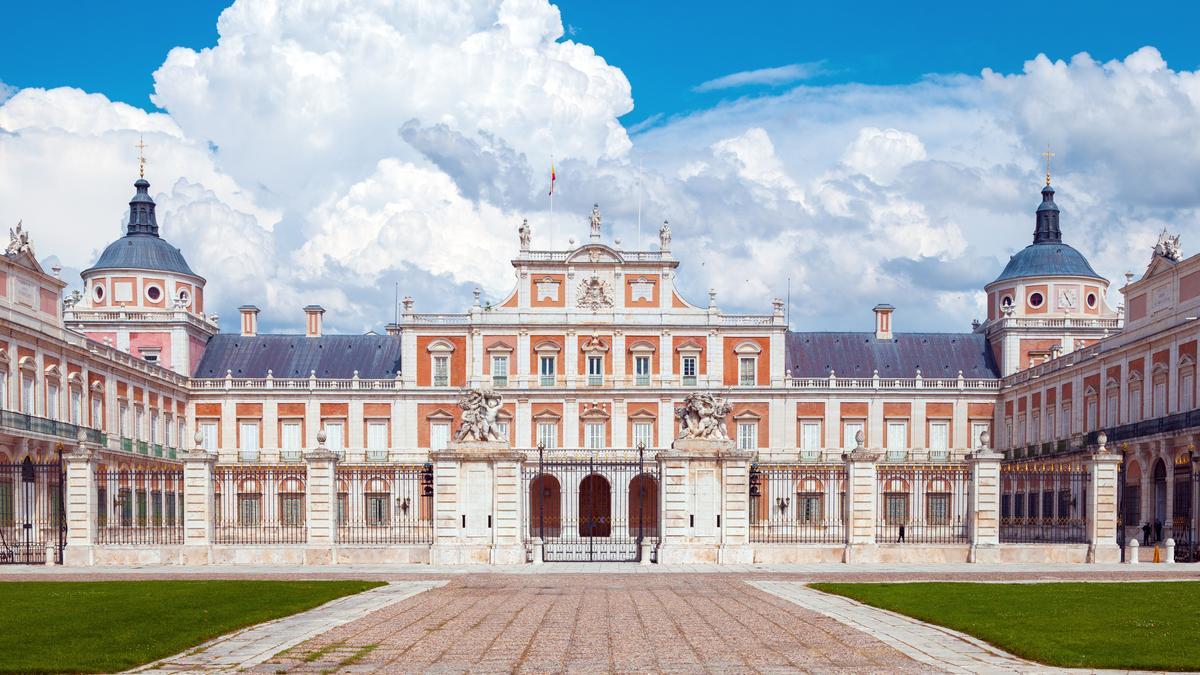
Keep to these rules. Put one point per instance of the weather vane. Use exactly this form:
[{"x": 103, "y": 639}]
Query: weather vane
[
  {"x": 141, "y": 146},
  {"x": 1047, "y": 154}
]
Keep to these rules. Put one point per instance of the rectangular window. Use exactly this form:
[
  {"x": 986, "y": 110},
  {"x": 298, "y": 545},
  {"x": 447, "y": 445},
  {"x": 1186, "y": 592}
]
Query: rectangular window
[
  {"x": 594, "y": 435},
  {"x": 141, "y": 508},
  {"x": 291, "y": 508},
  {"x": 8, "y": 503},
  {"x": 439, "y": 436},
  {"x": 156, "y": 508},
  {"x": 1035, "y": 429},
  {"x": 1033, "y": 505},
  {"x": 1134, "y": 409},
  {"x": 377, "y": 435},
  {"x": 547, "y": 434},
  {"x": 52, "y": 400},
  {"x": 289, "y": 437},
  {"x": 546, "y": 371},
  {"x": 747, "y": 435},
  {"x": 500, "y": 370},
  {"x": 808, "y": 508},
  {"x": 977, "y": 431},
  {"x": 595, "y": 370},
  {"x": 502, "y": 430},
  {"x": 249, "y": 511},
  {"x": 125, "y": 500},
  {"x": 27, "y": 399},
  {"x": 1112, "y": 403},
  {"x": 377, "y": 509},
  {"x": 850, "y": 431},
  {"x": 343, "y": 502},
  {"x": 1160, "y": 399},
  {"x": 897, "y": 435},
  {"x": 4, "y": 389},
  {"x": 248, "y": 440},
  {"x": 208, "y": 434},
  {"x": 688, "y": 368},
  {"x": 335, "y": 435},
  {"x": 939, "y": 440},
  {"x": 810, "y": 435},
  {"x": 643, "y": 434},
  {"x": 154, "y": 426},
  {"x": 1050, "y": 422},
  {"x": 746, "y": 371},
  {"x": 1187, "y": 385},
  {"x": 1064, "y": 422},
  {"x": 937, "y": 508},
  {"x": 139, "y": 422},
  {"x": 441, "y": 371},
  {"x": 76, "y": 411},
  {"x": 169, "y": 507},
  {"x": 1091, "y": 422},
  {"x": 896, "y": 508},
  {"x": 641, "y": 371}
]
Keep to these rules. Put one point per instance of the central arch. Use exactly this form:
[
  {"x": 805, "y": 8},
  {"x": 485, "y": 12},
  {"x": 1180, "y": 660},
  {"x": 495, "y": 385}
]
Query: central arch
[{"x": 595, "y": 507}]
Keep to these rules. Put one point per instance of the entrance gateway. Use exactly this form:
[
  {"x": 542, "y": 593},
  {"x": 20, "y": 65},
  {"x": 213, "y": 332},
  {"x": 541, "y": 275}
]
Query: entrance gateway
[
  {"x": 31, "y": 512},
  {"x": 592, "y": 505}
]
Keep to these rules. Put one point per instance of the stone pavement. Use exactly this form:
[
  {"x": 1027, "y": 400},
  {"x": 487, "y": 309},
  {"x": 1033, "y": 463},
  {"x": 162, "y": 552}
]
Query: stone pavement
[
  {"x": 593, "y": 623},
  {"x": 937, "y": 647},
  {"x": 249, "y": 647}
]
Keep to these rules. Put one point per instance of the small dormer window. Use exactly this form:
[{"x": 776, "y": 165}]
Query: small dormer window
[
  {"x": 98, "y": 292},
  {"x": 1092, "y": 300},
  {"x": 150, "y": 355}
]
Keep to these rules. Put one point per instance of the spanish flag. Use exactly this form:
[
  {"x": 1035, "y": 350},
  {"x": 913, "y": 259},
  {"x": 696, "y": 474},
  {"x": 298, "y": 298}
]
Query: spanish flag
[{"x": 552, "y": 176}]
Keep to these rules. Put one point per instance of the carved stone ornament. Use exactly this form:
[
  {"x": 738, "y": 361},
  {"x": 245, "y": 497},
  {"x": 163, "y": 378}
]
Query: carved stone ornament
[
  {"x": 702, "y": 416},
  {"x": 525, "y": 233},
  {"x": 547, "y": 289},
  {"x": 480, "y": 408},
  {"x": 1168, "y": 246},
  {"x": 664, "y": 236},
  {"x": 594, "y": 294},
  {"x": 18, "y": 240},
  {"x": 641, "y": 289}
]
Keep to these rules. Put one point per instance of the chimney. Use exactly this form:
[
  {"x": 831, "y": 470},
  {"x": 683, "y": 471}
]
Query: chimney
[
  {"x": 313, "y": 315},
  {"x": 883, "y": 321},
  {"x": 249, "y": 320}
]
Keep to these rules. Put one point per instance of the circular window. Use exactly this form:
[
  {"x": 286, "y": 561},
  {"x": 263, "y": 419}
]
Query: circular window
[
  {"x": 1091, "y": 299},
  {"x": 1036, "y": 300},
  {"x": 98, "y": 292},
  {"x": 153, "y": 293}
]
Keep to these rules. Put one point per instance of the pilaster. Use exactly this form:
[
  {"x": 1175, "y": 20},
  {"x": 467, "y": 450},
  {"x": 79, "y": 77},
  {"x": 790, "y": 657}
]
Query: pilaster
[
  {"x": 985, "y": 505},
  {"x": 198, "y": 506},
  {"x": 861, "y": 504},
  {"x": 320, "y": 511},
  {"x": 79, "y": 497}
]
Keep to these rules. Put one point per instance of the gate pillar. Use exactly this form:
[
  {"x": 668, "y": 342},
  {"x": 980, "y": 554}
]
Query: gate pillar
[
  {"x": 862, "y": 507},
  {"x": 320, "y": 503},
  {"x": 1102, "y": 504},
  {"x": 477, "y": 504},
  {"x": 79, "y": 497},
  {"x": 705, "y": 503},
  {"x": 198, "y": 505},
  {"x": 984, "y": 518}
]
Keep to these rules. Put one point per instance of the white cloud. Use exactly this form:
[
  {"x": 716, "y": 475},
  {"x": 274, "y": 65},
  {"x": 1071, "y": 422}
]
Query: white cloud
[
  {"x": 793, "y": 72},
  {"x": 880, "y": 154}
]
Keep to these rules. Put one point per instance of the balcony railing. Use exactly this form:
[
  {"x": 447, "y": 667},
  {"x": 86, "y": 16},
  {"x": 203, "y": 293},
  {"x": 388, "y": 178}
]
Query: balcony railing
[
  {"x": 143, "y": 448},
  {"x": 952, "y": 383},
  {"x": 127, "y": 444},
  {"x": 40, "y": 425}
]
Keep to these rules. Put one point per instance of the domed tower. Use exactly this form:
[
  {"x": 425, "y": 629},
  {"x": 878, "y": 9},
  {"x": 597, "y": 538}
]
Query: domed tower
[
  {"x": 1048, "y": 301},
  {"x": 142, "y": 297}
]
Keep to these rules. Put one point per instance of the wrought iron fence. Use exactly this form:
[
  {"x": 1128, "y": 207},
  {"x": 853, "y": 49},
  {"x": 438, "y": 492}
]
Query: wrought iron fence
[
  {"x": 385, "y": 504},
  {"x": 31, "y": 512},
  {"x": 259, "y": 504},
  {"x": 1043, "y": 503},
  {"x": 797, "y": 503},
  {"x": 135, "y": 506},
  {"x": 922, "y": 503}
]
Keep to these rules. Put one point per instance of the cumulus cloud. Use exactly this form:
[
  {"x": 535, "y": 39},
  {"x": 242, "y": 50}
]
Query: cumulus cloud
[
  {"x": 793, "y": 72},
  {"x": 323, "y": 152}
]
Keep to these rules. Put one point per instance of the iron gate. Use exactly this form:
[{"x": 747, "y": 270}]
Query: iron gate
[
  {"x": 593, "y": 505},
  {"x": 31, "y": 512}
]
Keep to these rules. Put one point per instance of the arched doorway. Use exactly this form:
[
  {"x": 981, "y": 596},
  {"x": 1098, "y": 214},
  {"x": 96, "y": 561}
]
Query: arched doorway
[
  {"x": 545, "y": 507},
  {"x": 595, "y": 507},
  {"x": 643, "y": 506},
  {"x": 1160, "y": 497}
]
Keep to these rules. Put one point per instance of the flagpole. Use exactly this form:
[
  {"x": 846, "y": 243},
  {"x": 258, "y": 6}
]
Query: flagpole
[
  {"x": 552, "y": 202},
  {"x": 639, "y": 185}
]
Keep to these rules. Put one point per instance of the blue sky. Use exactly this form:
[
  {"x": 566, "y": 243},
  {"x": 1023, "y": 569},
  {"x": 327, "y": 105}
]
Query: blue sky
[
  {"x": 857, "y": 153},
  {"x": 666, "y": 49}
]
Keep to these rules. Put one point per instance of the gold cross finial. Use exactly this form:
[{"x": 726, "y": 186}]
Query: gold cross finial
[
  {"x": 1047, "y": 154},
  {"x": 141, "y": 146}
]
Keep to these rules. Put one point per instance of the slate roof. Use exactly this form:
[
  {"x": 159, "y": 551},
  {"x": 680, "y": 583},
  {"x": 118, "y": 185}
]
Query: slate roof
[
  {"x": 141, "y": 248},
  {"x": 860, "y": 354},
  {"x": 333, "y": 356}
]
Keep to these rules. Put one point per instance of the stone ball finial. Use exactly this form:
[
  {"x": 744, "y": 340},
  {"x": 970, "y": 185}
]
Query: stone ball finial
[
  {"x": 198, "y": 437},
  {"x": 322, "y": 436},
  {"x": 1102, "y": 439},
  {"x": 985, "y": 439},
  {"x": 858, "y": 438}
]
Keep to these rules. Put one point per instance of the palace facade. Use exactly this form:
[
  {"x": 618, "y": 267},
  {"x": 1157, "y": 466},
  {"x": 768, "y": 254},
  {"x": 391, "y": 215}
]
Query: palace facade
[{"x": 592, "y": 352}]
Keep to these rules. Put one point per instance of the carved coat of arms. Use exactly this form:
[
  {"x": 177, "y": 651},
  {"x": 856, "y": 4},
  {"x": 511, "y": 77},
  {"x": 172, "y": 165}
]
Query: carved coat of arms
[{"x": 594, "y": 293}]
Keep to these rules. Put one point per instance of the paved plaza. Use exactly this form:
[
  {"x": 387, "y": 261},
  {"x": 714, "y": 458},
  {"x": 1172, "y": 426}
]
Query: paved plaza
[{"x": 603, "y": 618}]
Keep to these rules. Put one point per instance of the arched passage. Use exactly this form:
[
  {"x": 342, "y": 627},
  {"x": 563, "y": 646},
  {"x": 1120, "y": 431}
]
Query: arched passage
[
  {"x": 545, "y": 507},
  {"x": 595, "y": 507},
  {"x": 1160, "y": 495},
  {"x": 643, "y": 506}
]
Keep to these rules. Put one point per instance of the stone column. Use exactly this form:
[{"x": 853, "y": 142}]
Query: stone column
[
  {"x": 320, "y": 504},
  {"x": 79, "y": 499},
  {"x": 477, "y": 504},
  {"x": 985, "y": 503},
  {"x": 198, "y": 505},
  {"x": 735, "y": 509},
  {"x": 705, "y": 485},
  {"x": 861, "y": 503},
  {"x": 508, "y": 544},
  {"x": 1102, "y": 504}
]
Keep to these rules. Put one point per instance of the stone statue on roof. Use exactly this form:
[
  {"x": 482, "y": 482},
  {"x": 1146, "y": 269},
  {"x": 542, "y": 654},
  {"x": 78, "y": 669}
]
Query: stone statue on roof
[
  {"x": 18, "y": 240},
  {"x": 595, "y": 221},
  {"x": 664, "y": 236},
  {"x": 525, "y": 233},
  {"x": 1168, "y": 246}
]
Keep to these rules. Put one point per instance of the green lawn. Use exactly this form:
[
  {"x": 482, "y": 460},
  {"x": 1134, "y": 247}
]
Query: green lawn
[
  {"x": 108, "y": 626},
  {"x": 1151, "y": 626}
]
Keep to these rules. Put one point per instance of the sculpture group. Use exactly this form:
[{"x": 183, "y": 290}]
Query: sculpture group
[
  {"x": 702, "y": 416},
  {"x": 480, "y": 408}
]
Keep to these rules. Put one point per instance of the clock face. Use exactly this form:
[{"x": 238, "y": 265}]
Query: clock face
[{"x": 1068, "y": 298}]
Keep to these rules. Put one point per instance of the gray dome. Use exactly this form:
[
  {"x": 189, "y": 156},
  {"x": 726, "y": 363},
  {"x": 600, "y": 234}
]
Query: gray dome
[
  {"x": 142, "y": 252},
  {"x": 1048, "y": 260},
  {"x": 141, "y": 248}
]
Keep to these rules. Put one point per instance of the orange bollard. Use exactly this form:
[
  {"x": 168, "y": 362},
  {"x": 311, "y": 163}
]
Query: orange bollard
[{"x": 1156, "y": 557}]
